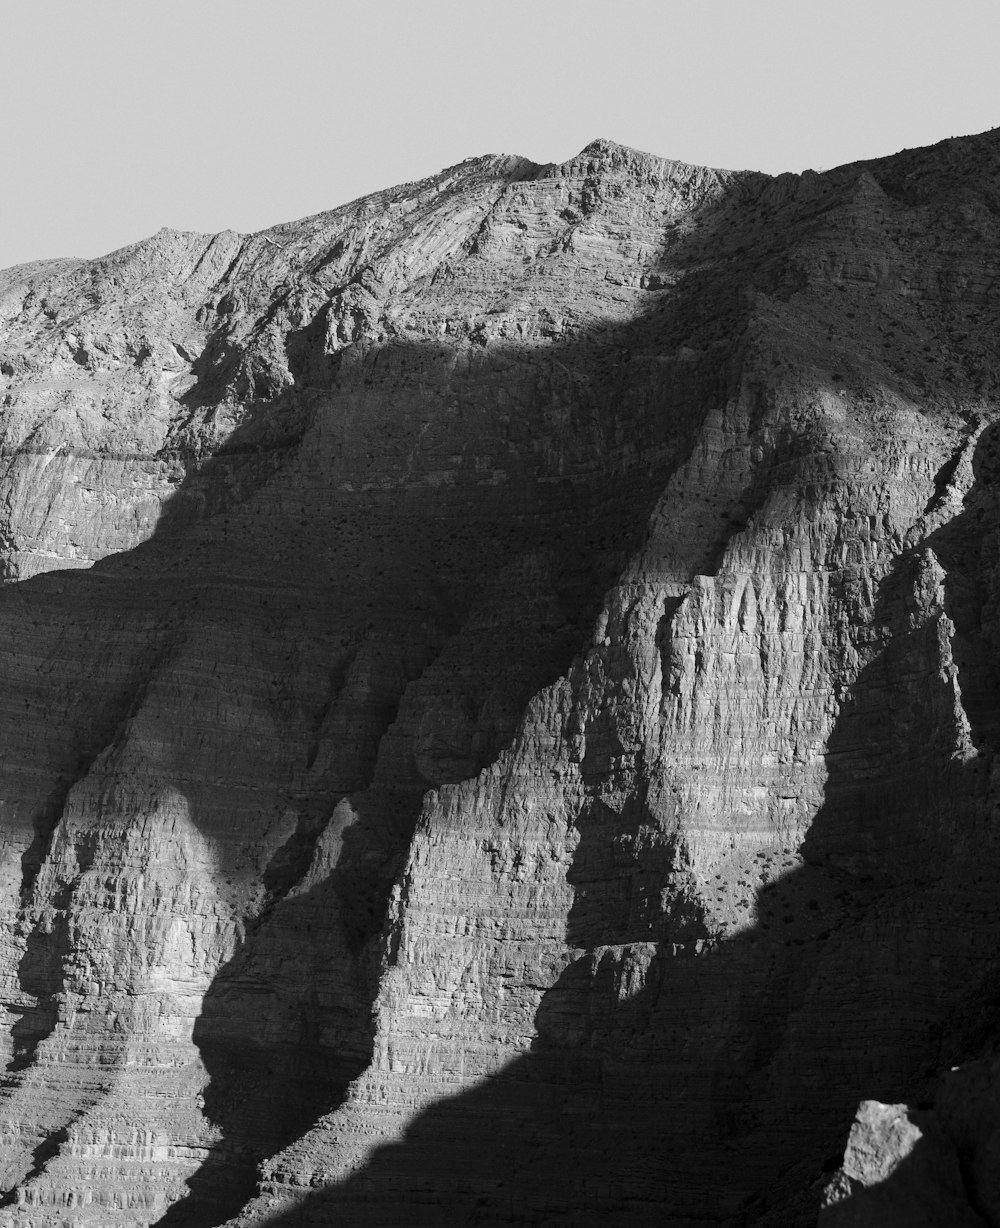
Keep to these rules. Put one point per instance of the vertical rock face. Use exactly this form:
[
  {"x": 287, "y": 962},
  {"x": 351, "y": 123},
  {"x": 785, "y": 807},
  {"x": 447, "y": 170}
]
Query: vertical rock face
[{"x": 500, "y": 699}]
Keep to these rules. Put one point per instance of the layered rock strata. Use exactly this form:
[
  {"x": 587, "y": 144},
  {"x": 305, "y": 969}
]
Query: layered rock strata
[{"x": 500, "y": 695}]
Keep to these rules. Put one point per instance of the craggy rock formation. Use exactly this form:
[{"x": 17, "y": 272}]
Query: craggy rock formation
[{"x": 500, "y": 702}]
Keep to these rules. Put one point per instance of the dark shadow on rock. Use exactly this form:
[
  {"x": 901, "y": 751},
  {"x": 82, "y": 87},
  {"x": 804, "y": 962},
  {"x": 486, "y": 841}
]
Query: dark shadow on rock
[
  {"x": 39, "y": 974},
  {"x": 45, "y": 929},
  {"x": 459, "y": 540},
  {"x": 46, "y": 1150},
  {"x": 347, "y": 535},
  {"x": 674, "y": 1081}
]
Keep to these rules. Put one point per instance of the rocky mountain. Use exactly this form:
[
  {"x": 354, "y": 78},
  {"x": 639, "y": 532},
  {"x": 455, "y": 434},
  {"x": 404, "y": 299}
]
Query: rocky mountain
[{"x": 500, "y": 706}]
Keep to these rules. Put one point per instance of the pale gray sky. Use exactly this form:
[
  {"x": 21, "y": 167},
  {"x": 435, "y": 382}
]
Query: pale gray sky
[{"x": 122, "y": 116}]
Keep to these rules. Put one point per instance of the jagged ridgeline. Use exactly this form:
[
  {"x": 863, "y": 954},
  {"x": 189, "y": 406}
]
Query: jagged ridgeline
[{"x": 499, "y": 705}]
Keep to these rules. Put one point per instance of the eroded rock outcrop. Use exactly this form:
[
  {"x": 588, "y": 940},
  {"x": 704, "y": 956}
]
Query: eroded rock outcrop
[{"x": 500, "y": 693}]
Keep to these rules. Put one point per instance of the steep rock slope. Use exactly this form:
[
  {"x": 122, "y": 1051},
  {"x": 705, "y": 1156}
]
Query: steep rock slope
[{"x": 516, "y": 743}]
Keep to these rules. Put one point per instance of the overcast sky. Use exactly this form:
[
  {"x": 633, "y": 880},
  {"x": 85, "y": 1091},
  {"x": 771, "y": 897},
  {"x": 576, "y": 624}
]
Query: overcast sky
[{"x": 122, "y": 116}]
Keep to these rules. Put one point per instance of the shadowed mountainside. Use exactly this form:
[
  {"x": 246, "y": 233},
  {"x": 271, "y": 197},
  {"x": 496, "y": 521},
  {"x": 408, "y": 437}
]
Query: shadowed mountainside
[{"x": 518, "y": 731}]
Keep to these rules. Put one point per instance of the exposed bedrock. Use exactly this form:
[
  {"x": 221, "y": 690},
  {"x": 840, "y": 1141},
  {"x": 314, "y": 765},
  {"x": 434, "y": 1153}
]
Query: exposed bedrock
[{"x": 500, "y": 696}]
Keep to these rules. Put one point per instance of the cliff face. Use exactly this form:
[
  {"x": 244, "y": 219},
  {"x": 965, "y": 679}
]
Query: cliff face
[{"x": 500, "y": 696}]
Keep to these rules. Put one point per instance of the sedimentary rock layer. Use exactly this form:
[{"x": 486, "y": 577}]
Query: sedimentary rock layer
[{"x": 499, "y": 695}]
